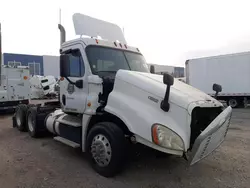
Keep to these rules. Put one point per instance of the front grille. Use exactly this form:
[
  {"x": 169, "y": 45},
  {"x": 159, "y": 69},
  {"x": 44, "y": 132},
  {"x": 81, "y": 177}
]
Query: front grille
[{"x": 201, "y": 118}]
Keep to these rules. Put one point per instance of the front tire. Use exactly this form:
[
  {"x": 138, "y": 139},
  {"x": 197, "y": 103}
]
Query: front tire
[{"x": 106, "y": 148}]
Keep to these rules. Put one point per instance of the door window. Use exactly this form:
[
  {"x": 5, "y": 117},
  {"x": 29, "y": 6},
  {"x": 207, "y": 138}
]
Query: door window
[{"x": 76, "y": 64}]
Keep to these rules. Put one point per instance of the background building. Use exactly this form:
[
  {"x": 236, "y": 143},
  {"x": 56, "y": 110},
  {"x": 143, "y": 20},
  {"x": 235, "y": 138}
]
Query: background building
[
  {"x": 38, "y": 65},
  {"x": 34, "y": 62}
]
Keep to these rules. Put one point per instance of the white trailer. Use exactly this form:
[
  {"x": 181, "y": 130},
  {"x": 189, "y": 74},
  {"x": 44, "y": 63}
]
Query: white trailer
[
  {"x": 109, "y": 99},
  {"x": 231, "y": 71}
]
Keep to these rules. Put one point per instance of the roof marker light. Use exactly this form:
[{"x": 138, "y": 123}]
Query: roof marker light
[
  {"x": 96, "y": 41},
  {"x": 120, "y": 45},
  {"x": 138, "y": 49},
  {"x": 125, "y": 46},
  {"x": 115, "y": 44}
]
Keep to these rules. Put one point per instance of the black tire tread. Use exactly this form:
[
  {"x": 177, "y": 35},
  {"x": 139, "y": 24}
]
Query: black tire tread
[
  {"x": 23, "y": 126},
  {"x": 32, "y": 111},
  {"x": 119, "y": 147},
  {"x": 39, "y": 127}
]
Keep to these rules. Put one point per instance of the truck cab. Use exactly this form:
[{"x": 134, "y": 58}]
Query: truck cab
[
  {"x": 93, "y": 63},
  {"x": 109, "y": 99}
]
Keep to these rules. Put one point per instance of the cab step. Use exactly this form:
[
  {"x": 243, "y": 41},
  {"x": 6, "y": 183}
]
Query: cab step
[{"x": 67, "y": 142}]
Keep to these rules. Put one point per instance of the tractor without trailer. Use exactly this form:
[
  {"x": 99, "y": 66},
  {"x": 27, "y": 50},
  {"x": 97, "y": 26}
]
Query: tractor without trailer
[{"x": 108, "y": 97}]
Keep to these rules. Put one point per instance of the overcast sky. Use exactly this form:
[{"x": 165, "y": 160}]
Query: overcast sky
[{"x": 167, "y": 32}]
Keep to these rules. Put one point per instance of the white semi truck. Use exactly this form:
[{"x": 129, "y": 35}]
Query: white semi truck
[
  {"x": 109, "y": 99},
  {"x": 231, "y": 71}
]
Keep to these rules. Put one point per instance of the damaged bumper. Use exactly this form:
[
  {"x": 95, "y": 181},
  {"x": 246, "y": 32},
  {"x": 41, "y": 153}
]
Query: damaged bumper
[{"x": 211, "y": 137}]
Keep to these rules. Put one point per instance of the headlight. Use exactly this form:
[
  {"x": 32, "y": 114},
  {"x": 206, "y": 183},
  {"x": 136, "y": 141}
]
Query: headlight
[{"x": 165, "y": 137}]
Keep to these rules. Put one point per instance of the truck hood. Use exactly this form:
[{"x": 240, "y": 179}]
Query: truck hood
[{"x": 181, "y": 94}]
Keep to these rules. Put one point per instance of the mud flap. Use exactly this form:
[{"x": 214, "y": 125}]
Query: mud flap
[{"x": 211, "y": 137}]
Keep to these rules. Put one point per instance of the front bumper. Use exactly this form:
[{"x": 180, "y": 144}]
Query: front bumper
[{"x": 211, "y": 137}]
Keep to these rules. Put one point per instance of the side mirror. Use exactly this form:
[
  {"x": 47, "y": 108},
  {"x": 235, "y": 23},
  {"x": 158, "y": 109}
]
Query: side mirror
[
  {"x": 152, "y": 69},
  {"x": 64, "y": 65},
  {"x": 217, "y": 88},
  {"x": 168, "y": 79}
]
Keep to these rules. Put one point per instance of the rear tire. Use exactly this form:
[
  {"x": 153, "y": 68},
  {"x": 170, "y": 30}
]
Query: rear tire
[
  {"x": 20, "y": 117},
  {"x": 31, "y": 122},
  {"x": 35, "y": 123},
  {"x": 36, "y": 120},
  {"x": 106, "y": 148}
]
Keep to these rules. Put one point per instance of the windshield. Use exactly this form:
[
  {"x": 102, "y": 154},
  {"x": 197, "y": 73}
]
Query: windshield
[{"x": 103, "y": 59}]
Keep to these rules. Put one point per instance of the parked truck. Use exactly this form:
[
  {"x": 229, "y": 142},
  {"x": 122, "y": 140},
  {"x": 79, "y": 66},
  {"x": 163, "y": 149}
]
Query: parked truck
[
  {"x": 231, "y": 71},
  {"x": 109, "y": 100}
]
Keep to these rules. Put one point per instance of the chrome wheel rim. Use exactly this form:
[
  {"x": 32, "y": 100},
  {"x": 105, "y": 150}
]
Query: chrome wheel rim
[
  {"x": 101, "y": 150},
  {"x": 31, "y": 122}
]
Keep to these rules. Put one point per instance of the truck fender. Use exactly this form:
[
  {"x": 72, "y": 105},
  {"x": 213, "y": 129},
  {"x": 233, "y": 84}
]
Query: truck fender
[{"x": 118, "y": 114}]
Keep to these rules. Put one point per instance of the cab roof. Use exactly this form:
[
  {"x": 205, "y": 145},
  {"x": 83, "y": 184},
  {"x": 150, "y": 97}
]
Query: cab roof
[{"x": 103, "y": 43}]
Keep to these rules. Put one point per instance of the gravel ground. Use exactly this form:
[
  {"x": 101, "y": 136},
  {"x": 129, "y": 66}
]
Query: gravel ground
[{"x": 34, "y": 163}]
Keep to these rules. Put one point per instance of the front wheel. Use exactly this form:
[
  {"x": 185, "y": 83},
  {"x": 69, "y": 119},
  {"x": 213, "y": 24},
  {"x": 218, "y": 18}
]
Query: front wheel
[{"x": 106, "y": 148}]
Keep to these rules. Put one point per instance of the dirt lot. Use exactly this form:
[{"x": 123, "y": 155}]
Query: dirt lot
[{"x": 27, "y": 162}]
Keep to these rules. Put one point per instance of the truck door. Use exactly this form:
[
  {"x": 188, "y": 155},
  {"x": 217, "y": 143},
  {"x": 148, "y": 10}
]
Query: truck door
[{"x": 73, "y": 99}]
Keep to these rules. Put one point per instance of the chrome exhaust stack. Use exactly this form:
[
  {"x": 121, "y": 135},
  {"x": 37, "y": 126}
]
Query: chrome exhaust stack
[{"x": 62, "y": 34}]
